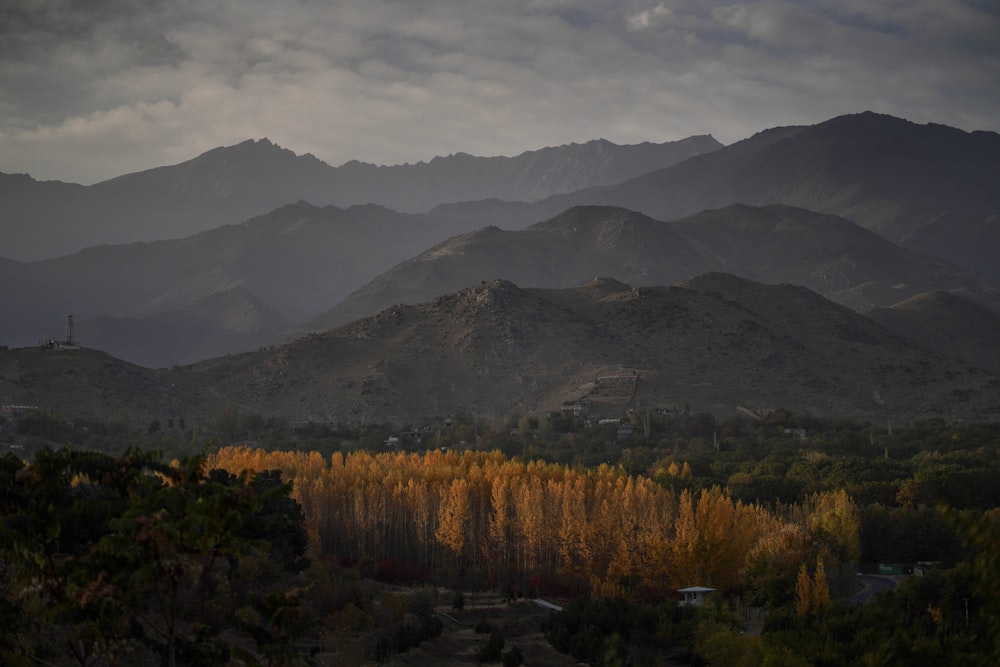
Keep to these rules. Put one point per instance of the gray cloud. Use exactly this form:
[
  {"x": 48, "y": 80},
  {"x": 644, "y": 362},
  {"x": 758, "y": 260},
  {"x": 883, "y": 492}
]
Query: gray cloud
[{"x": 92, "y": 90}]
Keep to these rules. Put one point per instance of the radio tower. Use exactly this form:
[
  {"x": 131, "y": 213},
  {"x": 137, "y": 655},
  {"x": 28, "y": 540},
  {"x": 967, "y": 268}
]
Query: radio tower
[{"x": 69, "y": 329}]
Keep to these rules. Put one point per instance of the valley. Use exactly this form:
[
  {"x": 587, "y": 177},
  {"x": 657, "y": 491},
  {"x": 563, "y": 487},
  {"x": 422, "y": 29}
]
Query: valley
[{"x": 753, "y": 369}]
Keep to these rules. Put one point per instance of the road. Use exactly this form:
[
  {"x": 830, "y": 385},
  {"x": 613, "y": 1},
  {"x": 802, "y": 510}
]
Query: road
[{"x": 873, "y": 585}]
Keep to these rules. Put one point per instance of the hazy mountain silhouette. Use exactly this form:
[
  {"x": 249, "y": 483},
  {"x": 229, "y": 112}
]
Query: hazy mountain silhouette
[
  {"x": 779, "y": 244},
  {"x": 225, "y": 290},
  {"x": 947, "y": 324},
  {"x": 228, "y": 185},
  {"x": 234, "y": 287},
  {"x": 968, "y": 239},
  {"x": 886, "y": 174}
]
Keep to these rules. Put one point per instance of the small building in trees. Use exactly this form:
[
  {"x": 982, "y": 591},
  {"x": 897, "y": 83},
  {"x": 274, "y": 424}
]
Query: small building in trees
[{"x": 694, "y": 596}]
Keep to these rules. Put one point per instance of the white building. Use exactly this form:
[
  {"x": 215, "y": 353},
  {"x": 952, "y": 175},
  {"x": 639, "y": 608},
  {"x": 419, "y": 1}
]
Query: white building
[{"x": 694, "y": 595}]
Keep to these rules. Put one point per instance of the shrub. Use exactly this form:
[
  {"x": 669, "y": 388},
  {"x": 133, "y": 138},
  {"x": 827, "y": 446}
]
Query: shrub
[
  {"x": 513, "y": 657},
  {"x": 492, "y": 650}
]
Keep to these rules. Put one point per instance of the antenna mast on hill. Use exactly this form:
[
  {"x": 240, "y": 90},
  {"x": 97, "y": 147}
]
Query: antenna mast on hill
[{"x": 69, "y": 329}]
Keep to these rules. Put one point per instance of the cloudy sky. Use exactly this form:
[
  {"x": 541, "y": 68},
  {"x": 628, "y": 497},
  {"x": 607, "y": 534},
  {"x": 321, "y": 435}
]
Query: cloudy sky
[{"x": 91, "y": 89}]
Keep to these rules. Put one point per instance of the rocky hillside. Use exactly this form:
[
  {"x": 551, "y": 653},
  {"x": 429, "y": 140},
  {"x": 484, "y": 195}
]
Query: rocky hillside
[{"x": 711, "y": 344}]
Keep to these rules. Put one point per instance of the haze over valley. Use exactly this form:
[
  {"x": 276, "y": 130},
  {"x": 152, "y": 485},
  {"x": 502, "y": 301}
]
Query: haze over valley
[
  {"x": 537, "y": 332},
  {"x": 297, "y": 256}
]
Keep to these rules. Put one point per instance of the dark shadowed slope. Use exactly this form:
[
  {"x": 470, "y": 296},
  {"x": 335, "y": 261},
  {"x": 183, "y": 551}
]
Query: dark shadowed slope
[
  {"x": 565, "y": 251},
  {"x": 886, "y": 174},
  {"x": 947, "y": 324},
  {"x": 770, "y": 244},
  {"x": 968, "y": 239},
  {"x": 260, "y": 277}
]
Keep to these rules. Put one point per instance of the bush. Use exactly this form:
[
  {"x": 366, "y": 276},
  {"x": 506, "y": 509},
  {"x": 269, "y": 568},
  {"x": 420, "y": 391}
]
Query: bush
[
  {"x": 421, "y": 603},
  {"x": 413, "y": 631},
  {"x": 458, "y": 601},
  {"x": 492, "y": 650},
  {"x": 513, "y": 657}
]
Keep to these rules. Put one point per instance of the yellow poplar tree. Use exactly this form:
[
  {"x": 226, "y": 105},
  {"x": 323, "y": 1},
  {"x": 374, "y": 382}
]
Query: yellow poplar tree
[
  {"x": 453, "y": 516},
  {"x": 820, "y": 594},
  {"x": 803, "y": 592}
]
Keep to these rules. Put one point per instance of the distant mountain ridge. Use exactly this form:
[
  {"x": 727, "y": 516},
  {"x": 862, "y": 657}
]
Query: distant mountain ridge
[
  {"x": 930, "y": 187},
  {"x": 225, "y": 290},
  {"x": 772, "y": 244},
  {"x": 886, "y": 174},
  {"x": 238, "y": 286},
  {"x": 526, "y": 177},
  {"x": 44, "y": 219}
]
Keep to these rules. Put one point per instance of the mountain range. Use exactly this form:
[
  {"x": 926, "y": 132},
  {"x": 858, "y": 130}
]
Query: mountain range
[
  {"x": 915, "y": 185},
  {"x": 41, "y": 220},
  {"x": 773, "y": 244},
  {"x": 711, "y": 344},
  {"x": 224, "y": 290},
  {"x": 273, "y": 278},
  {"x": 867, "y": 225}
]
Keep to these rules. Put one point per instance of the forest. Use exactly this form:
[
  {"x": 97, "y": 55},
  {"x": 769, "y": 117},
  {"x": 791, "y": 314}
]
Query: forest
[{"x": 332, "y": 546}]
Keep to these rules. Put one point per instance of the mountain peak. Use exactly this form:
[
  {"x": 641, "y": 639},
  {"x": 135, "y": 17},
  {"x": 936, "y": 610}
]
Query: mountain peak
[
  {"x": 587, "y": 215},
  {"x": 716, "y": 281},
  {"x": 607, "y": 284},
  {"x": 488, "y": 297}
]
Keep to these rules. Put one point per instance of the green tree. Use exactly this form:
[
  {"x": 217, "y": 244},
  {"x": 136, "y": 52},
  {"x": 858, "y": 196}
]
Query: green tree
[
  {"x": 115, "y": 556},
  {"x": 55, "y": 512}
]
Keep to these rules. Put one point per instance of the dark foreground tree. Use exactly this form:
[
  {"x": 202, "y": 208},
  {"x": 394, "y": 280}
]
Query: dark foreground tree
[{"x": 124, "y": 560}]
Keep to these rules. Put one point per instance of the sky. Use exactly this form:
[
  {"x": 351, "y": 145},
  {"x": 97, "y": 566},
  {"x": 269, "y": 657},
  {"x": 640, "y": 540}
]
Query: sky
[{"x": 92, "y": 89}]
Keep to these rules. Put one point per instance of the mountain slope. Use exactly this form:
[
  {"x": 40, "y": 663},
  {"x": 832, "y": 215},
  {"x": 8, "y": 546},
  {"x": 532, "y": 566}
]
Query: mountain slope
[
  {"x": 826, "y": 253},
  {"x": 714, "y": 343},
  {"x": 949, "y": 325},
  {"x": 770, "y": 244},
  {"x": 886, "y": 174},
  {"x": 968, "y": 239},
  {"x": 221, "y": 323},
  {"x": 87, "y": 383},
  {"x": 565, "y": 251},
  {"x": 496, "y": 348},
  {"x": 284, "y": 267},
  {"x": 227, "y": 185}
]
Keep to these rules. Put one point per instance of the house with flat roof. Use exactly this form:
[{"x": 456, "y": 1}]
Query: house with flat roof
[{"x": 694, "y": 596}]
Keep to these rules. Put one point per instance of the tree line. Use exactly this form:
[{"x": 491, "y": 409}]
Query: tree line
[{"x": 482, "y": 519}]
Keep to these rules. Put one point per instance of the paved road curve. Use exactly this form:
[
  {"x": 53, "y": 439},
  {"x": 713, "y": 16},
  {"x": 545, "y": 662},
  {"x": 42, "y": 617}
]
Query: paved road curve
[{"x": 873, "y": 585}]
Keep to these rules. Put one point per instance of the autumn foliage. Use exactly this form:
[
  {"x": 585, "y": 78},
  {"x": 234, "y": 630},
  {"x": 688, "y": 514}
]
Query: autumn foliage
[{"x": 482, "y": 518}]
